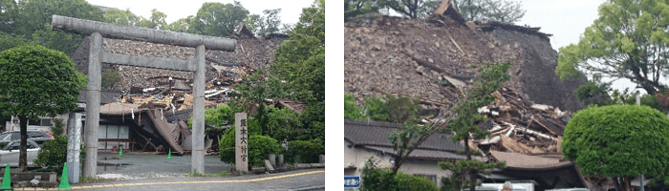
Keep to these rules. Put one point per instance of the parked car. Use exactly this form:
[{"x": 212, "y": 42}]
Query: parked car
[
  {"x": 38, "y": 136},
  {"x": 10, "y": 153}
]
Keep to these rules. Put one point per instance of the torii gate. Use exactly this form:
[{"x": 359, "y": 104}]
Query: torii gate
[{"x": 195, "y": 64}]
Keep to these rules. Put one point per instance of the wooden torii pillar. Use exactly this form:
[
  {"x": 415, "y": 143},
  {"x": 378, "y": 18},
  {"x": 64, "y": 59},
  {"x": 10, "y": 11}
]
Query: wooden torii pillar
[{"x": 196, "y": 64}]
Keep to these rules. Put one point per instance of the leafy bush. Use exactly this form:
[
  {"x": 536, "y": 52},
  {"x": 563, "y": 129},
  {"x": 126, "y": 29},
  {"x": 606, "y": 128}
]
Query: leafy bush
[
  {"x": 259, "y": 147},
  {"x": 219, "y": 116},
  {"x": 281, "y": 122},
  {"x": 307, "y": 150},
  {"x": 351, "y": 111},
  {"x": 376, "y": 108},
  {"x": 607, "y": 141},
  {"x": 374, "y": 178},
  {"x": 410, "y": 182},
  {"x": 111, "y": 80},
  {"x": 54, "y": 153}
]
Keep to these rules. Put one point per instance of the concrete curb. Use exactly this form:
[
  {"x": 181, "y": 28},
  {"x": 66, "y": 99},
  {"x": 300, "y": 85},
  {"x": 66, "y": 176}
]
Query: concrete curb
[{"x": 320, "y": 187}]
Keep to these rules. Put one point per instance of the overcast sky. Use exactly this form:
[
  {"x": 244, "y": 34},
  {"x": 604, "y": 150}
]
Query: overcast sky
[
  {"x": 566, "y": 20},
  {"x": 177, "y": 9}
]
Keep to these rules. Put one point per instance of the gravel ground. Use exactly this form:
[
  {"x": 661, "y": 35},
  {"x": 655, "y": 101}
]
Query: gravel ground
[{"x": 144, "y": 166}]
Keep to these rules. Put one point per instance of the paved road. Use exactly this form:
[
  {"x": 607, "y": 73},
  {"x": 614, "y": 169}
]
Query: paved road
[
  {"x": 147, "y": 166},
  {"x": 312, "y": 179},
  {"x": 282, "y": 181}
]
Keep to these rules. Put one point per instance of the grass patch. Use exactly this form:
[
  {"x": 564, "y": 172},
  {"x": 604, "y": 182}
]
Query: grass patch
[
  {"x": 93, "y": 180},
  {"x": 220, "y": 174}
]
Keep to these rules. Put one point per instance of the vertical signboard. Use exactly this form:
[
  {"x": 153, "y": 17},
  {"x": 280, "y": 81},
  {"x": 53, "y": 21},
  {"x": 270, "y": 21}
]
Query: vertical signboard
[{"x": 241, "y": 142}]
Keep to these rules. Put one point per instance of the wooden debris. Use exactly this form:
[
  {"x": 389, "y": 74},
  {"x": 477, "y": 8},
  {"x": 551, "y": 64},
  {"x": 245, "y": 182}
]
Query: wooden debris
[{"x": 523, "y": 127}]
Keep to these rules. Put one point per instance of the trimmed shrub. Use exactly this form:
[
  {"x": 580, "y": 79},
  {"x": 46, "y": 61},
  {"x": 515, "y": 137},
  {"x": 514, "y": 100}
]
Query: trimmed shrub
[
  {"x": 374, "y": 178},
  {"x": 609, "y": 141},
  {"x": 410, "y": 182},
  {"x": 53, "y": 153},
  {"x": 259, "y": 147},
  {"x": 307, "y": 150}
]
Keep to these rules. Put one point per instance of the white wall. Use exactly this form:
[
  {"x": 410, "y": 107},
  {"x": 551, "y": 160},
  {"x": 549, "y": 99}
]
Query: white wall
[{"x": 358, "y": 157}]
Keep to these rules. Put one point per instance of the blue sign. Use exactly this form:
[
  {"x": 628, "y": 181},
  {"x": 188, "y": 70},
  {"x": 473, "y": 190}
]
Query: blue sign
[{"x": 351, "y": 181}]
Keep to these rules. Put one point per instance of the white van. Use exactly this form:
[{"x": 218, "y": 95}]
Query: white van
[{"x": 500, "y": 186}]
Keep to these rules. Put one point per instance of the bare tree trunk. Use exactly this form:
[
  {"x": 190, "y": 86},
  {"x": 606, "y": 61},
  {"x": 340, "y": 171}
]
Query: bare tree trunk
[
  {"x": 617, "y": 183},
  {"x": 23, "y": 153},
  {"x": 628, "y": 187}
]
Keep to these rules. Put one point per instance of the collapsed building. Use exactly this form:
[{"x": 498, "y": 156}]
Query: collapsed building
[
  {"x": 152, "y": 106},
  {"x": 435, "y": 60}
]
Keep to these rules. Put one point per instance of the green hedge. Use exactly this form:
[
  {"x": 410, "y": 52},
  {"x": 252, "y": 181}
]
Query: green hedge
[
  {"x": 381, "y": 179},
  {"x": 259, "y": 148},
  {"x": 410, "y": 182},
  {"x": 308, "y": 151},
  {"x": 618, "y": 140},
  {"x": 54, "y": 153}
]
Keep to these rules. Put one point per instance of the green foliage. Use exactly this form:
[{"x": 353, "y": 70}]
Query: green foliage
[
  {"x": 53, "y": 153},
  {"x": 411, "y": 9},
  {"x": 8, "y": 41},
  {"x": 180, "y": 25},
  {"x": 266, "y": 24},
  {"x": 259, "y": 148},
  {"x": 607, "y": 141},
  {"x": 32, "y": 19},
  {"x": 281, "y": 122},
  {"x": 57, "y": 128},
  {"x": 217, "y": 117},
  {"x": 410, "y": 182},
  {"x": 351, "y": 110},
  {"x": 376, "y": 108},
  {"x": 402, "y": 109},
  {"x": 490, "y": 10},
  {"x": 300, "y": 60},
  {"x": 354, "y": 8},
  {"x": 218, "y": 19},
  {"x": 459, "y": 170},
  {"x": 464, "y": 125},
  {"x": 36, "y": 81},
  {"x": 111, "y": 80},
  {"x": 308, "y": 151},
  {"x": 117, "y": 16},
  {"x": 626, "y": 41},
  {"x": 374, "y": 179},
  {"x": 594, "y": 92}
]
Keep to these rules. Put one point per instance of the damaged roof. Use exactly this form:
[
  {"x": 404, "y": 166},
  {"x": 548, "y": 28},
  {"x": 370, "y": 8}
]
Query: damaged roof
[
  {"x": 522, "y": 161},
  {"x": 250, "y": 55}
]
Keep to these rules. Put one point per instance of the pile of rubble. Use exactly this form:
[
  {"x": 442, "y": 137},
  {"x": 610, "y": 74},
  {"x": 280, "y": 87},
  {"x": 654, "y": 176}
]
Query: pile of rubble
[
  {"x": 172, "y": 90},
  {"x": 521, "y": 126}
]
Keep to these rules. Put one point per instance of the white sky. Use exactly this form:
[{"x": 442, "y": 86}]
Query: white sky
[{"x": 177, "y": 9}]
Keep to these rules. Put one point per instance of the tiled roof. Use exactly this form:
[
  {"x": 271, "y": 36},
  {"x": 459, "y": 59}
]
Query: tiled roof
[
  {"x": 372, "y": 133},
  {"x": 422, "y": 153}
]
